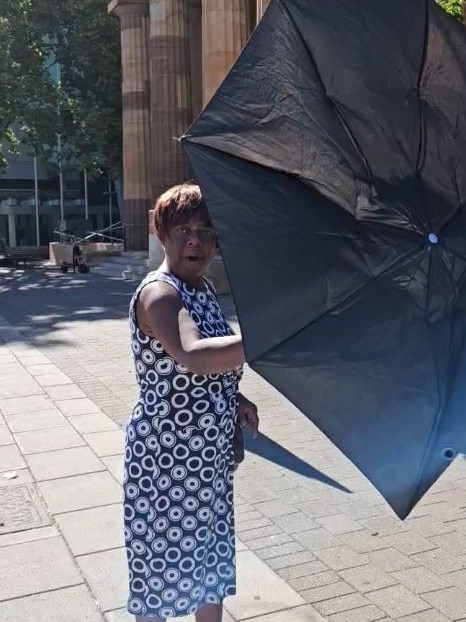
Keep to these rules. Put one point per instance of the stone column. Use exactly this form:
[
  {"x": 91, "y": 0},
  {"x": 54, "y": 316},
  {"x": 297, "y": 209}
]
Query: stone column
[
  {"x": 171, "y": 106},
  {"x": 261, "y": 6},
  {"x": 11, "y": 228},
  {"x": 137, "y": 191},
  {"x": 225, "y": 30}
]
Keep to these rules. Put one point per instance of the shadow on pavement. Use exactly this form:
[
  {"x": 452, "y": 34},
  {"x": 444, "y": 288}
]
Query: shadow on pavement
[
  {"x": 41, "y": 302},
  {"x": 265, "y": 447}
]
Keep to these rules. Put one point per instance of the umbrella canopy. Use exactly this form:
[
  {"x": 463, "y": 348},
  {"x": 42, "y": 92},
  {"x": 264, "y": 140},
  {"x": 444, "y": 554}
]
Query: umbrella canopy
[{"x": 333, "y": 161}]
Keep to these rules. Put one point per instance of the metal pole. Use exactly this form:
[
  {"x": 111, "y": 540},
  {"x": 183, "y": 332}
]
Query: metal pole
[
  {"x": 60, "y": 170},
  {"x": 86, "y": 196},
  {"x": 36, "y": 197},
  {"x": 110, "y": 205},
  {"x": 60, "y": 175}
]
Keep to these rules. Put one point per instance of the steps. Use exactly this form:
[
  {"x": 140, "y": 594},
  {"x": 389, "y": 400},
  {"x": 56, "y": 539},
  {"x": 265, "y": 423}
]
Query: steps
[{"x": 131, "y": 266}]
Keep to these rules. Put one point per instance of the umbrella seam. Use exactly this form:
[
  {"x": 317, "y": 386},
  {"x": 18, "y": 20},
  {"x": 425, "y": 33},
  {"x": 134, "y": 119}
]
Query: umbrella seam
[{"x": 339, "y": 115}]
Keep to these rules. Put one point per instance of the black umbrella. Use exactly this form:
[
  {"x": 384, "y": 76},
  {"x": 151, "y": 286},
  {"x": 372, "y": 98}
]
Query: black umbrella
[{"x": 333, "y": 160}]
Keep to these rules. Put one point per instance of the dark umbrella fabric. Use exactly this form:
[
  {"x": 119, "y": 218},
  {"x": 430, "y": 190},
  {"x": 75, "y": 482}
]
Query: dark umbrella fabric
[{"x": 333, "y": 161}]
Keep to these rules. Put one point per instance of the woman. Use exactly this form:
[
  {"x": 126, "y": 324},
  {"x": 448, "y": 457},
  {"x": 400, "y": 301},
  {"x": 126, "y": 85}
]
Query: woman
[{"x": 179, "y": 521}]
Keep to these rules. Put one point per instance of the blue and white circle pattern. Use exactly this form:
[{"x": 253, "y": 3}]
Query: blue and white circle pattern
[{"x": 178, "y": 477}]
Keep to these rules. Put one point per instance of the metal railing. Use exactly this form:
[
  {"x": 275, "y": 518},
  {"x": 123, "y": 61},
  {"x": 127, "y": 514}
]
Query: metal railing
[{"x": 102, "y": 235}]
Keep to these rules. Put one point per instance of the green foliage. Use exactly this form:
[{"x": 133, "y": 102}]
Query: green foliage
[
  {"x": 84, "y": 104},
  {"x": 454, "y": 7}
]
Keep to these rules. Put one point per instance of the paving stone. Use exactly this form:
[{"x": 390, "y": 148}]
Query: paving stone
[
  {"x": 438, "y": 561},
  {"x": 346, "y": 602},
  {"x": 106, "y": 443},
  {"x": 397, "y": 601},
  {"x": 53, "y": 380},
  {"x": 391, "y": 560},
  {"x": 73, "y": 604},
  {"x": 316, "y": 539},
  {"x": 338, "y": 523},
  {"x": 115, "y": 465},
  {"x": 267, "y": 541},
  {"x": 80, "y": 492},
  {"x": 363, "y": 541},
  {"x": 21, "y": 405},
  {"x": 384, "y": 525},
  {"x": 430, "y": 615},
  {"x": 22, "y": 386},
  {"x": 454, "y": 543},
  {"x": 257, "y": 523},
  {"x": 293, "y": 523},
  {"x": 256, "y": 495},
  {"x": 457, "y": 578},
  {"x": 29, "y": 535},
  {"x": 77, "y": 406},
  {"x": 92, "y": 530},
  {"x": 107, "y": 575},
  {"x": 297, "y": 614},
  {"x": 450, "y": 601},
  {"x": 22, "y": 568},
  {"x": 314, "y": 580},
  {"x": 97, "y": 422},
  {"x": 367, "y": 578},
  {"x": 259, "y": 590},
  {"x": 369, "y": 613},
  {"x": 264, "y": 531},
  {"x": 48, "y": 439},
  {"x": 67, "y": 392},
  {"x": 62, "y": 463},
  {"x": 10, "y": 458},
  {"x": 420, "y": 580},
  {"x": 274, "y": 508},
  {"x": 341, "y": 557},
  {"x": 326, "y": 592},
  {"x": 5, "y": 436},
  {"x": 277, "y": 551},
  {"x": 427, "y": 526},
  {"x": 303, "y": 570},
  {"x": 36, "y": 420},
  {"x": 410, "y": 543},
  {"x": 42, "y": 369},
  {"x": 358, "y": 510},
  {"x": 295, "y": 559}
]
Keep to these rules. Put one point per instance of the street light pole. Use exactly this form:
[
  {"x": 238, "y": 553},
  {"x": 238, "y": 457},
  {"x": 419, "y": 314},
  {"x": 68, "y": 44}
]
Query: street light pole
[{"x": 36, "y": 199}]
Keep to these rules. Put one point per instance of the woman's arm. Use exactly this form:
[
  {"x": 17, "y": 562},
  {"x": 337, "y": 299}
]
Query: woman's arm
[{"x": 161, "y": 314}]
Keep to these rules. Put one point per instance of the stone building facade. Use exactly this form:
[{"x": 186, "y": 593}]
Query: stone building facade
[{"x": 175, "y": 53}]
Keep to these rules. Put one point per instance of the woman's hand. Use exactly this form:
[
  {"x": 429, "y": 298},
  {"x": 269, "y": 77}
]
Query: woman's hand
[{"x": 247, "y": 413}]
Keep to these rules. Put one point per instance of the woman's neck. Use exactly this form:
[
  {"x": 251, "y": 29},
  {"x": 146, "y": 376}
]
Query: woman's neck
[{"x": 196, "y": 282}]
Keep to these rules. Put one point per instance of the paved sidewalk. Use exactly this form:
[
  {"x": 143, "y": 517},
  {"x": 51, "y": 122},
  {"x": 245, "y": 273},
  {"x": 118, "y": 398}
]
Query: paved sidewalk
[{"x": 315, "y": 539}]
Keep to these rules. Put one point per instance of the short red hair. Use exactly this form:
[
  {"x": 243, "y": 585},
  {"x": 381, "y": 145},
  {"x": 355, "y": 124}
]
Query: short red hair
[{"x": 176, "y": 205}]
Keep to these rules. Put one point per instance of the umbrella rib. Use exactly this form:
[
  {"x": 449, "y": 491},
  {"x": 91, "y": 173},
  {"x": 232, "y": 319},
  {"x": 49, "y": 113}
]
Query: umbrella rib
[{"x": 338, "y": 113}]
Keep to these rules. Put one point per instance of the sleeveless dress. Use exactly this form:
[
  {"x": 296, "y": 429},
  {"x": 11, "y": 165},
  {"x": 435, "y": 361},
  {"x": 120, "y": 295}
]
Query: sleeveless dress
[{"x": 178, "y": 474}]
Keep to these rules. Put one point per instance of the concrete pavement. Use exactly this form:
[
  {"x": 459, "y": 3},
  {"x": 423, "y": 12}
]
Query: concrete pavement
[{"x": 315, "y": 539}]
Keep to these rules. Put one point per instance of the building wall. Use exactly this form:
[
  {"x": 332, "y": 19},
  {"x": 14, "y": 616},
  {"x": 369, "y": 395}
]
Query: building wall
[{"x": 174, "y": 55}]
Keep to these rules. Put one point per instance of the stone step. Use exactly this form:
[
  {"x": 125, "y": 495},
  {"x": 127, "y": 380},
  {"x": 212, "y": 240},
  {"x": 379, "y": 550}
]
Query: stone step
[
  {"x": 136, "y": 254},
  {"x": 124, "y": 260},
  {"x": 115, "y": 272}
]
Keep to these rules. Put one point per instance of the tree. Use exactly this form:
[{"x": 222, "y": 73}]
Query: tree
[
  {"x": 454, "y": 7},
  {"x": 82, "y": 101}
]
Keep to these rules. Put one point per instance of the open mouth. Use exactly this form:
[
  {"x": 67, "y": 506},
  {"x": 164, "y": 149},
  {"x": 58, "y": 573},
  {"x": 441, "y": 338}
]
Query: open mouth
[{"x": 194, "y": 258}]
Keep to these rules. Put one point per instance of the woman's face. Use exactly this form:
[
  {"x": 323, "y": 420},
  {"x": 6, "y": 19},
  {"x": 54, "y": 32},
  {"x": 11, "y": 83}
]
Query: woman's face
[{"x": 189, "y": 248}]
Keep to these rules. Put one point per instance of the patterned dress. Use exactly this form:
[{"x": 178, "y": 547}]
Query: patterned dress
[{"x": 178, "y": 476}]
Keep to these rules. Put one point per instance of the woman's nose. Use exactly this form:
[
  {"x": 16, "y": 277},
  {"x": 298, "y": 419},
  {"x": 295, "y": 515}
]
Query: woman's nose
[{"x": 194, "y": 238}]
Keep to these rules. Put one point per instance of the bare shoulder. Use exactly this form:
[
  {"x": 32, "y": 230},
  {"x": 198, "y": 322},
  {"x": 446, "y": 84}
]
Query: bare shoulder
[{"x": 159, "y": 294}]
